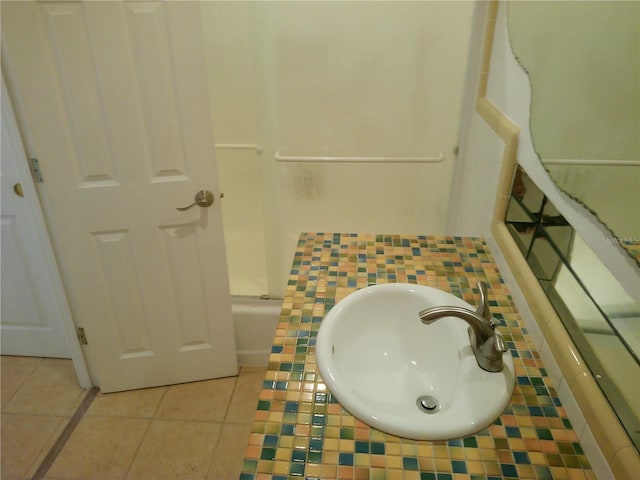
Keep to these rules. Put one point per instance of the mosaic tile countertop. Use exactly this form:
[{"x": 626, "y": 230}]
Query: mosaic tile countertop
[{"x": 301, "y": 431}]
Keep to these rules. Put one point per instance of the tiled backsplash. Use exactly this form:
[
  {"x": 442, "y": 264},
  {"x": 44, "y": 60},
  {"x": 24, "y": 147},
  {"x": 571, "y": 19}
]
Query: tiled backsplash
[{"x": 300, "y": 430}]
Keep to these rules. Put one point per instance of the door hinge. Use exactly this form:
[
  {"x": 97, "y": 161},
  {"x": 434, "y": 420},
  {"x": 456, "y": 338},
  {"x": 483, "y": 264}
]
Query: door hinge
[
  {"x": 35, "y": 170},
  {"x": 82, "y": 337}
]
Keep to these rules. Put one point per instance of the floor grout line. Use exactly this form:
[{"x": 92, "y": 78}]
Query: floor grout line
[
  {"x": 144, "y": 435},
  {"x": 164, "y": 394},
  {"x": 59, "y": 444}
]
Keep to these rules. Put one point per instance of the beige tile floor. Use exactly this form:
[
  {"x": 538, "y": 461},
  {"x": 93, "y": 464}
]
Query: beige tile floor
[{"x": 194, "y": 430}]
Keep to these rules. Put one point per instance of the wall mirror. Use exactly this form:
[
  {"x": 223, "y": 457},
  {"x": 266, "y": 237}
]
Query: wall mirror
[
  {"x": 601, "y": 318},
  {"x": 583, "y": 62}
]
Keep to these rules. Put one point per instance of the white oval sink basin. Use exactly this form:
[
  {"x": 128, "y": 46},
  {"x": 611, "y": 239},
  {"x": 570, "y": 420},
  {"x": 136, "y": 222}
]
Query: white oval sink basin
[{"x": 378, "y": 359}]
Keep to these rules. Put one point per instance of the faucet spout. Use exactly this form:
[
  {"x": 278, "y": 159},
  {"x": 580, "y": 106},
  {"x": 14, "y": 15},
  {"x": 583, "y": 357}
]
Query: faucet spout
[
  {"x": 481, "y": 328},
  {"x": 487, "y": 343}
]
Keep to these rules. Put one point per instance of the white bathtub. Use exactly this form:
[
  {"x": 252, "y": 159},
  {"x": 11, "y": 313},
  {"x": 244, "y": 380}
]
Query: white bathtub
[{"x": 254, "y": 320}]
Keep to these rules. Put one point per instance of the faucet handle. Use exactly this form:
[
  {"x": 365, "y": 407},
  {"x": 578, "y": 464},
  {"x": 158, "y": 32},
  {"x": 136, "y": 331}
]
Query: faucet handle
[{"x": 499, "y": 344}]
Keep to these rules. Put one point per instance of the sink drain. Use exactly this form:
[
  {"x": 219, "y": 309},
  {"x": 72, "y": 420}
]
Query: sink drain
[{"x": 428, "y": 404}]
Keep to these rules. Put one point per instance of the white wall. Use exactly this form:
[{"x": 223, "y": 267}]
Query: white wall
[{"x": 331, "y": 79}]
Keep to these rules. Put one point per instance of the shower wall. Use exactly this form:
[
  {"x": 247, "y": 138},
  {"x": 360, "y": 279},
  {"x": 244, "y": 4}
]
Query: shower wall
[{"x": 331, "y": 79}]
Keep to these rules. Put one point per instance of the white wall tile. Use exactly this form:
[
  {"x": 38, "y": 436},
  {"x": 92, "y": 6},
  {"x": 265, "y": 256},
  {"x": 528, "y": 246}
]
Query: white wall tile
[
  {"x": 571, "y": 406},
  {"x": 598, "y": 463},
  {"x": 550, "y": 364},
  {"x": 485, "y": 140}
]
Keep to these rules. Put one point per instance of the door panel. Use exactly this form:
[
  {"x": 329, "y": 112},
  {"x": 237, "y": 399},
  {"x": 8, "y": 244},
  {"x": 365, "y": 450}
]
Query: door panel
[
  {"x": 118, "y": 275},
  {"x": 32, "y": 315},
  {"x": 21, "y": 304},
  {"x": 123, "y": 137},
  {"x": 72, "y": 57},
  {"x": 147, "y": 26}
]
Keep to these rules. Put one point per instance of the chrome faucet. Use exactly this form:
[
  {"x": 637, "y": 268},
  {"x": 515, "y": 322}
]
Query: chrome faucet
[{"x": 487, "y": 343}]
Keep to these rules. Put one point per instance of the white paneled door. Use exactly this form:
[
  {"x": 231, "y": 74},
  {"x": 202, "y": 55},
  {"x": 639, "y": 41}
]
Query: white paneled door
[
  {"x": 112, "y": 99},
  {"x": 33, "y": 310}
]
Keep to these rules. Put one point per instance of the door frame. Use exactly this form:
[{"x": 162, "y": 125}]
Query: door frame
[{"x": 11, "y": 128}]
